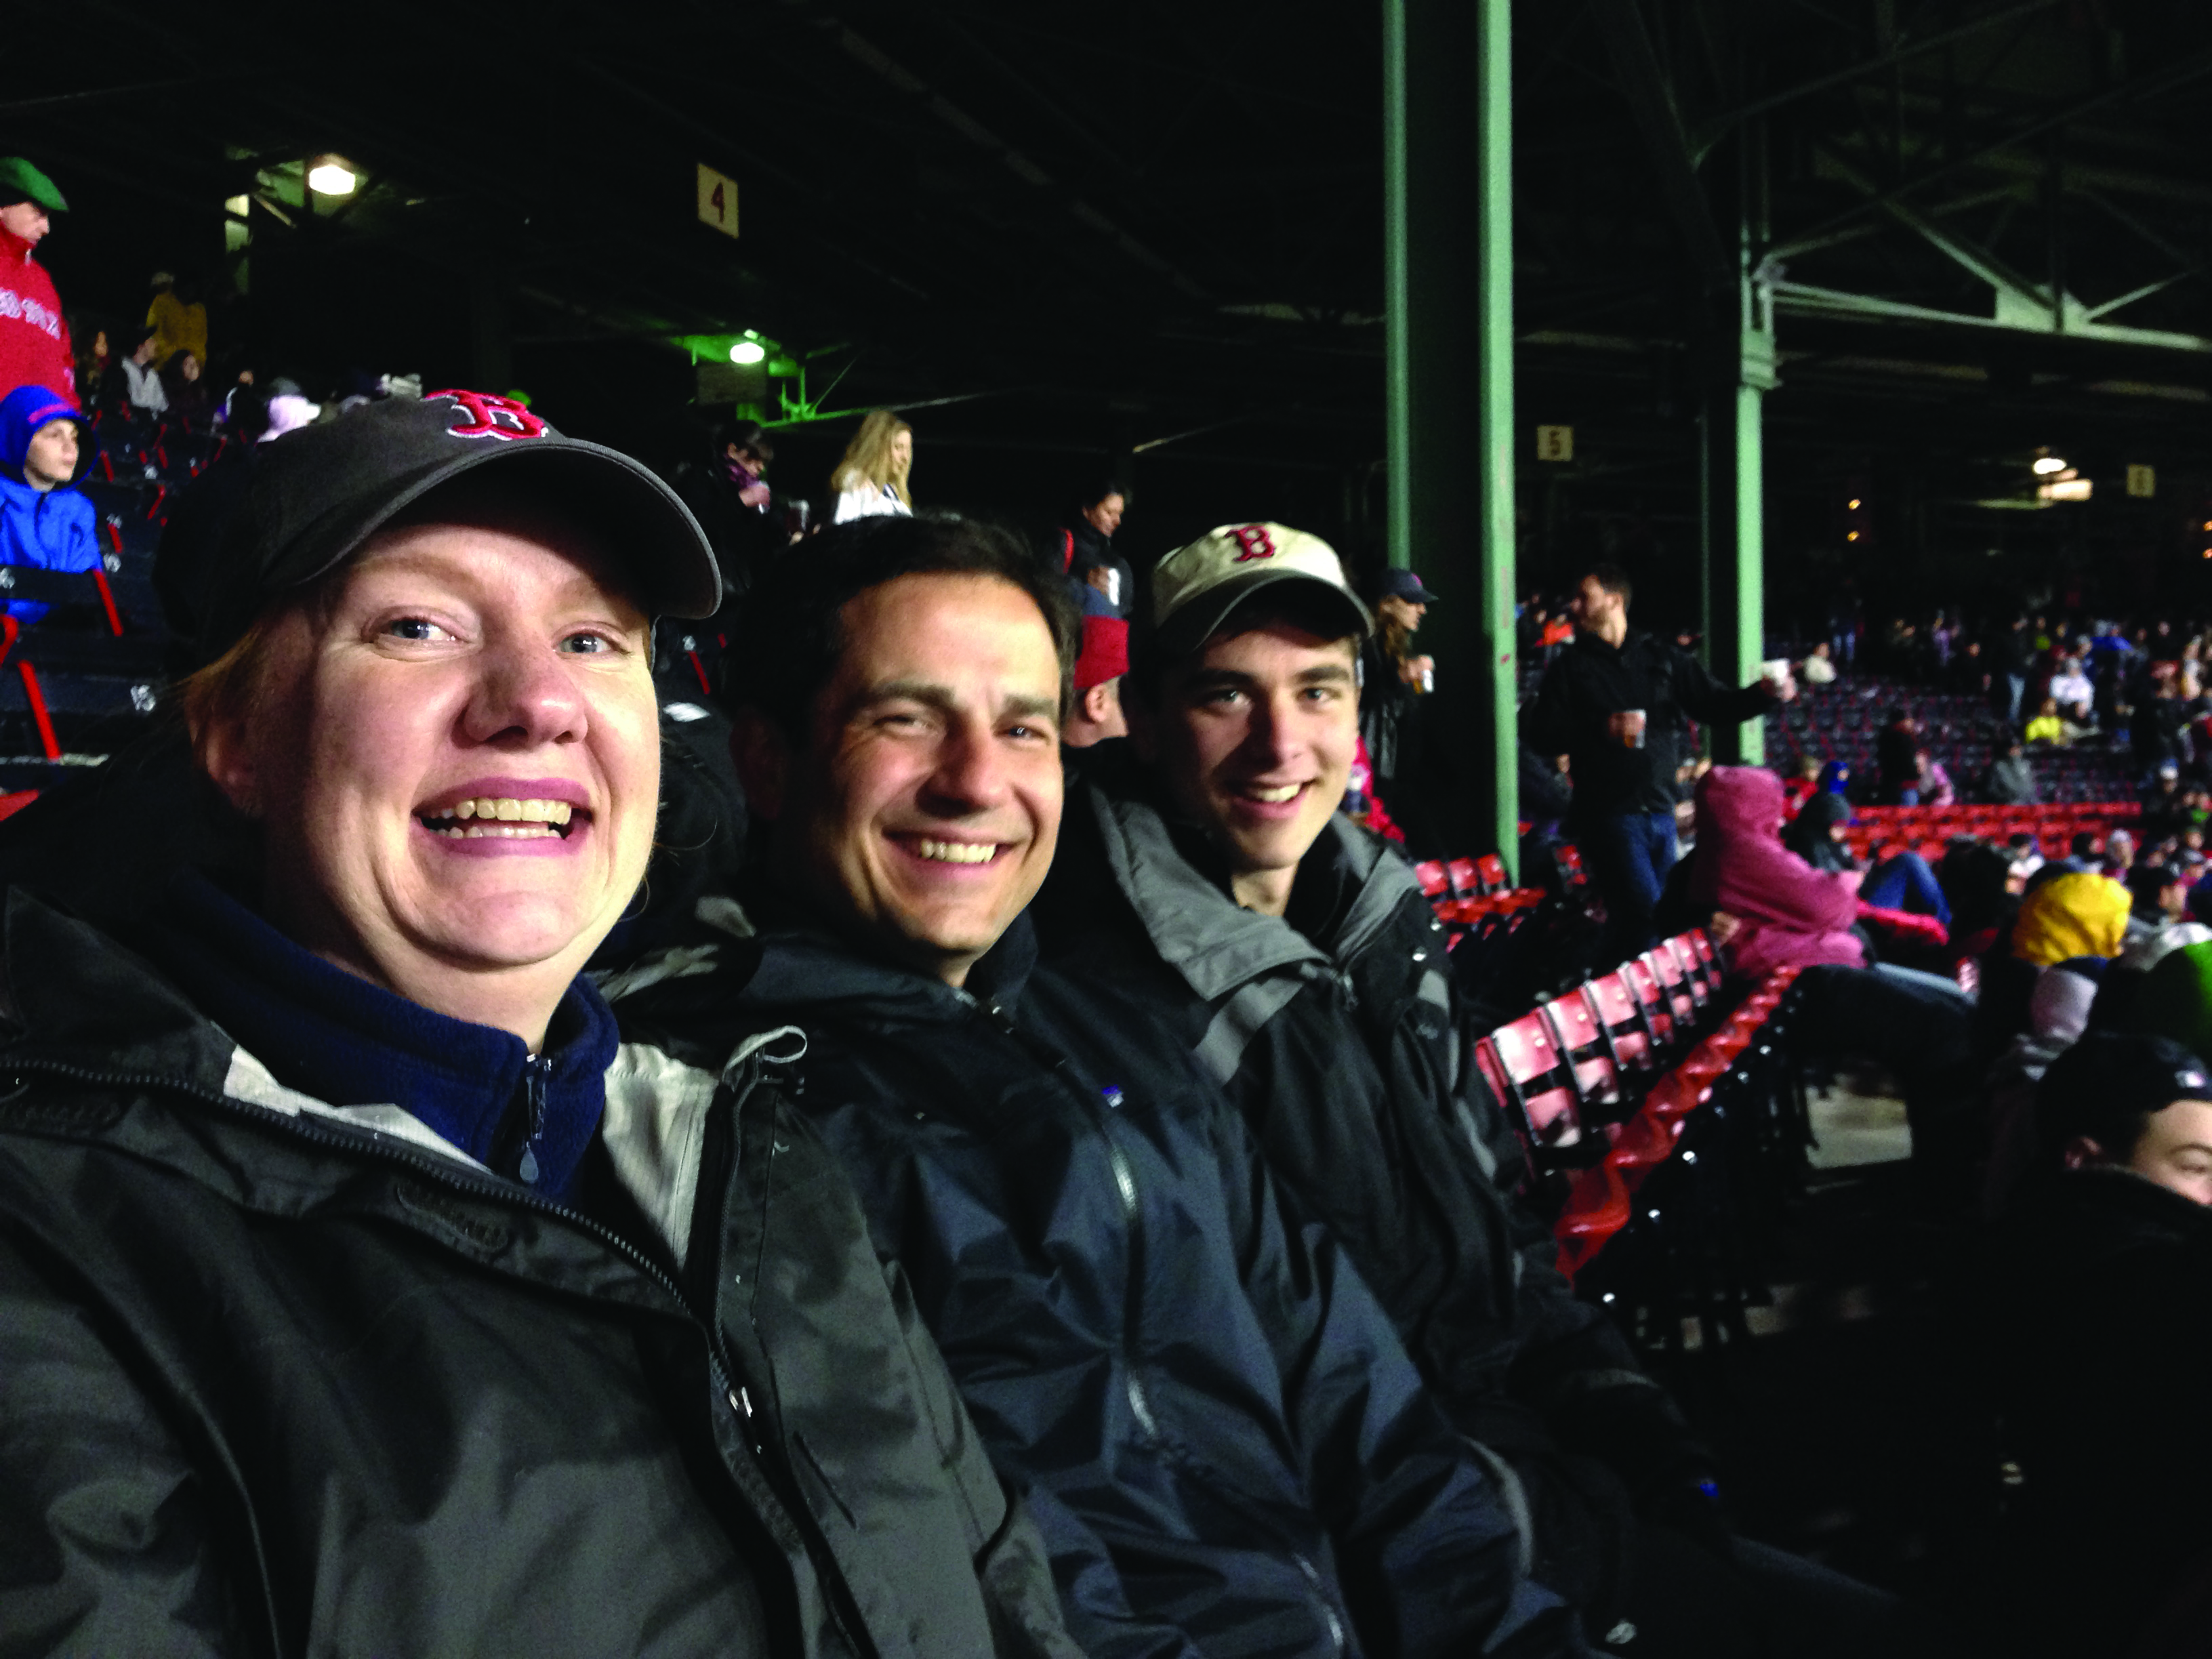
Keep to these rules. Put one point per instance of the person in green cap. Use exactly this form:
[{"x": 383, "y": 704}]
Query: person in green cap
[{"x": 34, "y": 340}]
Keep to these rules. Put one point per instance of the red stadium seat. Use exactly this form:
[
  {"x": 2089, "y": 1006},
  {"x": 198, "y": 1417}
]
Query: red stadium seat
[
  {"x": 1614, "y": 1008},
  {"x": 1523, "y": 1064},
  {"x": 1583, "y": 1043}
]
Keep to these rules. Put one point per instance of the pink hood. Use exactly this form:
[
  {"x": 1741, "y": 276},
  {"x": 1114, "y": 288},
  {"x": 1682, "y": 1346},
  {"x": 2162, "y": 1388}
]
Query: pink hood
[{"x": 1793, "y": 914}]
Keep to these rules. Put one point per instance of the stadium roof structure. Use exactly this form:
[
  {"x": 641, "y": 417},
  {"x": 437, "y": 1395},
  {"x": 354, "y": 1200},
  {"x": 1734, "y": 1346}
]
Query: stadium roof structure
[{"x": 1151, "y": 233}]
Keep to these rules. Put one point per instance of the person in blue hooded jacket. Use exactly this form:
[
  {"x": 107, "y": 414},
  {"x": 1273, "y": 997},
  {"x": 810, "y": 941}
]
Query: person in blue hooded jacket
[{"x": 44, "y": 522}]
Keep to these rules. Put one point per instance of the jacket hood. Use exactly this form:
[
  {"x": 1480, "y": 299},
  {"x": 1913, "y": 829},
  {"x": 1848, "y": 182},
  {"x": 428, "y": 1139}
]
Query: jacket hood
[
  {"x": 2072, "y": 916},
  {"x": 1740, "y": 801},
  {"x": 1807, "y": 834},
  {"x": 23, "y": 412}
]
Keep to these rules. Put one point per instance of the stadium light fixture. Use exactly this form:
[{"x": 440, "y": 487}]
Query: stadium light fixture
[
  {"x": 331, "y": 178},
  {"x": 1853, "y": 504},
  {"x": 2046, "y": 465},
  {"x": 748, "y": 352}
]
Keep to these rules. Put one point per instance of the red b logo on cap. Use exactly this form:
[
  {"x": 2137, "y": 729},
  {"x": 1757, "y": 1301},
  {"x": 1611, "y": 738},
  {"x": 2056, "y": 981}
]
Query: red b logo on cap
[
  {"x": 490, "y": 416},
  {"x": 1254, "y": 540}
]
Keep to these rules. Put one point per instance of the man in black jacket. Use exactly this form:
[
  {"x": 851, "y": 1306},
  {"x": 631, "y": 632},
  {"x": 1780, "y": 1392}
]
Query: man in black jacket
[
  {"x": 2089, "y": 1304},
  {"x": 1224, "y": 1441},
  {"x": 1297, "y": 957},
  {"x": 1612, "y": 702}
]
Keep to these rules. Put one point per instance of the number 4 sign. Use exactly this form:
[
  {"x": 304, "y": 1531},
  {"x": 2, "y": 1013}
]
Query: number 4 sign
[{"x": 718, "y": 200}]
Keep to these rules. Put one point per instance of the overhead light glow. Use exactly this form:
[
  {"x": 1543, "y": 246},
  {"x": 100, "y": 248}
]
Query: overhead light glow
[
  {"x": 1853, "y": 537},
  {"x": 332, "y": 178},
  {"x": 748, "y": 351},
  {"x": 2064, "y": 489},
  {"x": 2049, "y": 463},
  {"x": 1853, "y": 504}
]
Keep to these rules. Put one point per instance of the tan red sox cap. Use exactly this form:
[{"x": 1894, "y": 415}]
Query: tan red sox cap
[{"x": 1196, "y": 587}]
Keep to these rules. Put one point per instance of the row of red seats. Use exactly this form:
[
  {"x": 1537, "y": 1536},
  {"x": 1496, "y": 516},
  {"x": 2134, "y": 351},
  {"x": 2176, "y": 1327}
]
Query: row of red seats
[
  {"x": 1588, "y": 1079},
  {"x": 1476, "y": 895}
]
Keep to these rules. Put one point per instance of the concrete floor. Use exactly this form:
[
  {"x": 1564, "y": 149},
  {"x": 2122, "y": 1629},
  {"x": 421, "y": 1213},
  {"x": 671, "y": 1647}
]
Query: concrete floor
[{"x": 1857, "y": 1121}]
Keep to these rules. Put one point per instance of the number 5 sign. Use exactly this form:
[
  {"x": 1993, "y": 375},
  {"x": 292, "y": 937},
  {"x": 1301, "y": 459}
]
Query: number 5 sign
[
  {"x": 718, "y": 201},
  {"x": 1555, "y": 443}
]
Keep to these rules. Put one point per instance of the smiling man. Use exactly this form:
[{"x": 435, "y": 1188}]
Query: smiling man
[
  {"x": 1225, "y": 1444},
  {"x": 1207, "y": 873}
]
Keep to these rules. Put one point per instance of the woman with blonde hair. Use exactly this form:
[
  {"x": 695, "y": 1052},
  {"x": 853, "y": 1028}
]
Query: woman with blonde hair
[{"x": 870, "y": 480}]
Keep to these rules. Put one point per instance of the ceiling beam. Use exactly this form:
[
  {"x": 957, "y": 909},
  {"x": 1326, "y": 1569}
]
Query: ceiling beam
[{"x": 1651, "y": 98}]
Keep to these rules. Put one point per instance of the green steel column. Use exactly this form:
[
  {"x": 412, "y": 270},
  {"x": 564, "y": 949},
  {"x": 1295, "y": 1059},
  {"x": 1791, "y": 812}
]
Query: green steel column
[
  {"x": 1448, "y": 238},
  {"x": 1734, "y": 502}
]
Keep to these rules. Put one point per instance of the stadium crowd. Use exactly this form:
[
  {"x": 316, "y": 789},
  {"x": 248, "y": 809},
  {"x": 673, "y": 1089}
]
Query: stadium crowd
[{"x": 701, "y": 1067}]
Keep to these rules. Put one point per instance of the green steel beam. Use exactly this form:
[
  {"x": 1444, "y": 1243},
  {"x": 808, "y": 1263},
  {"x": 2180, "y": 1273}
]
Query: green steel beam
[
  {"x": 1448, "y": 241},
  {"x": 1733, "y": 503}
]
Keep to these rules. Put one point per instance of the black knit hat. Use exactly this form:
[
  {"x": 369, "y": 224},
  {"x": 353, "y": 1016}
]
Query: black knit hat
[{"x": 318, "y": 493}]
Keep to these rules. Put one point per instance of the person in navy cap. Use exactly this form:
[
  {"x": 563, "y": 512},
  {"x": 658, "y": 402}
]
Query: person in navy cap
[{"x": 1393, "y": 677}]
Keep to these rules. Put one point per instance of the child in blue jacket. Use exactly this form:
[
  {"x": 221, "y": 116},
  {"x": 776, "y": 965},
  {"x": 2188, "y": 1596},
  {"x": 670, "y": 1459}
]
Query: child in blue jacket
[{"x": 44, "y": 523}]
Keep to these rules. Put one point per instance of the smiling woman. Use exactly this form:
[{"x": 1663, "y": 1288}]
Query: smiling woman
[{"x": 348, "y": 1221}]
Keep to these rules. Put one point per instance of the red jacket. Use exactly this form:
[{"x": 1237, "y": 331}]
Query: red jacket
[{"x": 34, "y": 339}]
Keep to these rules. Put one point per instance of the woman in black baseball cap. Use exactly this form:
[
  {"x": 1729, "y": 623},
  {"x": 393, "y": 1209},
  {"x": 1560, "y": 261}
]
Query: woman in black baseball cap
[{"x": 359, "y": 1293}]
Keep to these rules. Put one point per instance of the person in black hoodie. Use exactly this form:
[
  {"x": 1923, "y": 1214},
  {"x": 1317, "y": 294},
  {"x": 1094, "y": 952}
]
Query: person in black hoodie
[
  {"x": 1224, "y": 1443},
  {"x": 2091, "y": 1301}
]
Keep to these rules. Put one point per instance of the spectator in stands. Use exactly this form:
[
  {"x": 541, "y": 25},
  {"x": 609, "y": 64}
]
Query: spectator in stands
[
  {"x": 1785, "y": 913},
  {"x": 2016, "y": 654},
  {"x": 1087, "y": 547},
  {"x": 2070, "y": 690},
  {"x": 1083, "y": 1220},
  {"x": 1095, "y": 716},
  {"x": 1547, "y": 793},
  {"x": 2012, "y": 780},
  {"x": 92, "y": 368},
  {"x": 44, "y": 524},
  {"x": 2164, "y": 812},
  {"x": 387, "y": 1268},
  {"x": 1243, "y": 920},
  {"x": 178, "y": 324},
  {"x": 1896, "y": 759},
  {"x": 140, "y": 389},
  {"x": 1819, "y": 669},
  {"x": 1931, "y": 784},
  {"x": 726, "y": 486},
  {"x": 34, "y": 336},
  {"x": 1903, "y": 881},
  {"x": 1970, "y": 674},
  {"x": 1611, "y": 704},
  {"x": 869, "y": 480},
  {"x": 2161, "y": 899},
  {"x": 2090, "y": 1297},
  {"x": 1393, "y": 677},
  {"x": 183, "y": 387},
  {"x": 2049, "y": 726}
]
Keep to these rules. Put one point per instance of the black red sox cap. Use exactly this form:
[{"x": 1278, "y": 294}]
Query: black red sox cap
[{"x": 318, "y": 493}]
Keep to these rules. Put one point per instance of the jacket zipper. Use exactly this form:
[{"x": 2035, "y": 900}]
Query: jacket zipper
[
  {"x": 535, "y": 1071},
  {"x": 1125, "y": 1183}
]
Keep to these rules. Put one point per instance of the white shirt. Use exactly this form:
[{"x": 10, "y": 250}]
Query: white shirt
[
  {"x": 865, "y": 500},
  {"x": 147, "y": 391},
  {"x": 2072, "y": 689}
]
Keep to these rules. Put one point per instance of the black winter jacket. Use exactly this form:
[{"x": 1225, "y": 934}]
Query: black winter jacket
[
  {"x": 1345, "y": 1045},
  {"x": 1224, "y": 1445},
  {"x": 1592, "y": 680},
  {"x": 2091, "y": 1309},
  {"x": 278, "y": 1377}
]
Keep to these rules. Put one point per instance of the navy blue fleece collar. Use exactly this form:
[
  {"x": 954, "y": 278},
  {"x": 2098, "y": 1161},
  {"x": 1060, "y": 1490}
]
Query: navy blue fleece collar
[{"x": 330, "y": 1034}]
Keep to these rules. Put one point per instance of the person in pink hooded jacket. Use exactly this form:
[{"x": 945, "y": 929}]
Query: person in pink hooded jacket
[{"x": 1792, "y": 914}]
